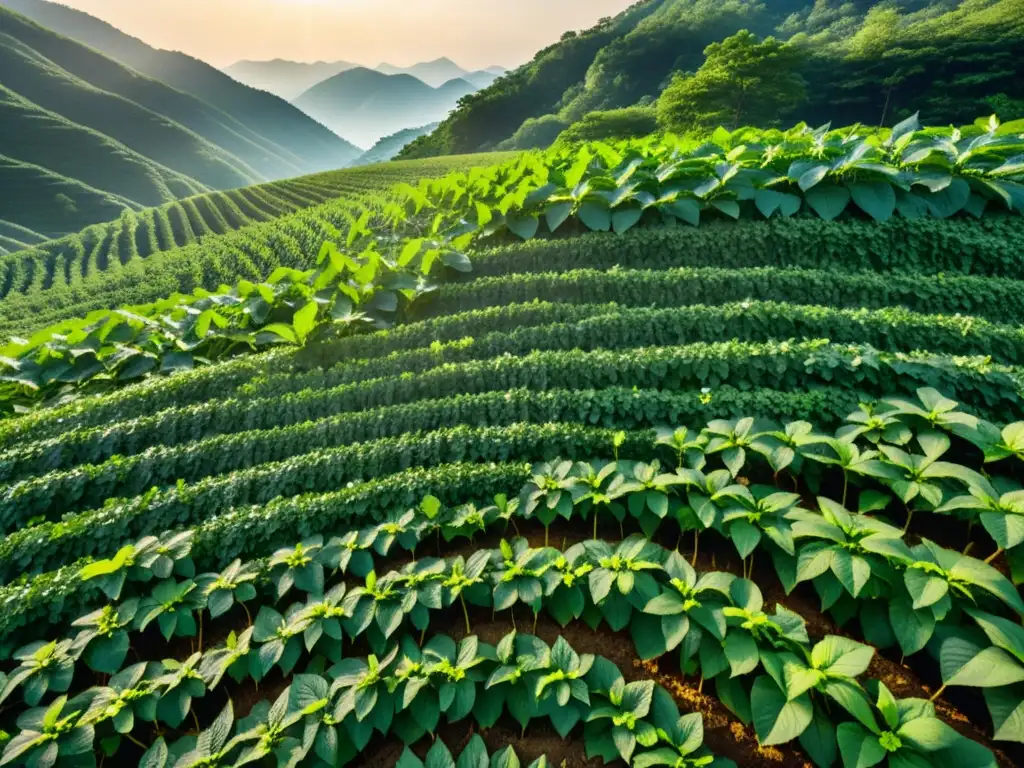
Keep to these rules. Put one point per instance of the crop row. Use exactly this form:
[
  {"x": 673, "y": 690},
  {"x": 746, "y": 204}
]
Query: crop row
[
  {"x": 225, "y": 532},
  {"x": 65, "y": 262},
  {"x": 510, "y": 327},
  {"x": 202, "y": 480},
  {"x": 797, "y": 366},
  {"x": 996, "y": 299},
  {"x": 598, "y": 188},
  {"x": 716, "y": 620}
]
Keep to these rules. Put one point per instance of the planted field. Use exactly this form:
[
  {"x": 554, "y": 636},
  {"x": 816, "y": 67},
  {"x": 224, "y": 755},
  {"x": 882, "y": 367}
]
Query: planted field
[
  {"x": 41, "y": 282},
  {"x": 488, "y": 484}
]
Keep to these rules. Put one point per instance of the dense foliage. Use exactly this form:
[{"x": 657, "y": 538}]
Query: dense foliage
[
  {"x": 653, "y": 452},
  {"x": 876, "y": 63}
]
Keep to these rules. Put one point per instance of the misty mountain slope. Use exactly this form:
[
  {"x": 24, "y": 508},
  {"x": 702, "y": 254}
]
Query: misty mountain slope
[
  {"x": 283, "y": 134},
  {"x": 287, "y": 79},
  {"x": 34, "y": 135},
  {"x": 389, "y": 146},
  {"x": 39, "y": 80},
  {"x": 364, "y": 105},
  {"x": 50, "y": 204}
]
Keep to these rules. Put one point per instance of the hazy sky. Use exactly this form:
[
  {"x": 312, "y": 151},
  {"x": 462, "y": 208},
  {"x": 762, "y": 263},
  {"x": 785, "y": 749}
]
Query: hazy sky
[{"x": 474, "y": 33}]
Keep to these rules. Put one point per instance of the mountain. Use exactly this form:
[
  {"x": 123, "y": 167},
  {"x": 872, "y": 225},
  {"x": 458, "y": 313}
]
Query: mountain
[
  {"x": 389, "y": 146},
  {"x": 287, "y": 79},
  {"x": 150, "y": 118},
  {"x": 42, "y": 138},
  {"x": 942, "y": 59},
  {"x": 435, "y": 73},
  {"x": 273, "y": 137},
  {"x": 482, "y": 78},
  {"x": 364, "y": 105}
]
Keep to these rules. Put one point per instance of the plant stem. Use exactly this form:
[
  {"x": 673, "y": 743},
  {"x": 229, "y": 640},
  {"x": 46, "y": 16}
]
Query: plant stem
[
  {"x": 696, "y": 545},
  {"x": 195, "y": 719},
  {"x": 994, "y": 555},
  {"x": 595, "y": 524},
  {"x": 846, "y": 485},
  {"x": 910, "y": 517},
  {"x": 465, "y": 614},
  {"x": 136, "y": 742},
  {"x": 545, "y": 535},
  {"x": 200, "y": 631},
  {"x": 938, "y": 693},
  {"x": 247, "y": 614}
]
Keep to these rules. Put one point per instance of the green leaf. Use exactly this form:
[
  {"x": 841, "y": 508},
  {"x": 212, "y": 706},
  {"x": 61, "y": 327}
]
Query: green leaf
[
  {"x": 625, "y": 218},
  {"x": 684, "y": 209},
  {"x": 439, "y": 756},
  {"x": 595, "y": 216},
  {"x": 776, "y": 720},
  {"x": 828, "y": 200},
  {"x": 875, "y": 198},
  {"x": 304, "y": 321},
  {"x": 523, "y": 226},
  {"x": 858, "y": 747},
  {"x": 556, "y": 214}
]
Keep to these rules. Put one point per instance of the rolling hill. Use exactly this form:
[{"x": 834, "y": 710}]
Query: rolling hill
[
  {"x": 434, "y": 73},
  {"x": 40, "y": 137},
  {"x": 287, "y": 79},
  {"x": 271, "y": 127},
  {"x": 364, "y": 105}
]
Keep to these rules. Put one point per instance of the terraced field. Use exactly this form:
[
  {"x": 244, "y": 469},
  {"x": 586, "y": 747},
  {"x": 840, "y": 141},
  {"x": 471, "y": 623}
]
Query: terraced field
[
  {"x": 671, "y": 495},
  {"x": 46, "y": 281}
]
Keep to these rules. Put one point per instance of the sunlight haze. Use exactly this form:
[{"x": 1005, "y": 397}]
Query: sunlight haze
[{"x": 474, "y": 33}]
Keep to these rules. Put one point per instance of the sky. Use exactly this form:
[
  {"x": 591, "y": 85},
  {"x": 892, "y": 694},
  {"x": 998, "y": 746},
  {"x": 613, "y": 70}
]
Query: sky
[{"x": 473, "y": 33}]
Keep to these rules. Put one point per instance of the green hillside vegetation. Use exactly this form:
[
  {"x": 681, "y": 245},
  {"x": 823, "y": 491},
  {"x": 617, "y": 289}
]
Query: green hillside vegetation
[
  {"x": 643, "y": 452},
  {"x": 144, "y": 255},
  {"x": 856, "y": 61},
  {"x": 51, "y": 204},
  {"x": 14, "y": 237},
  {"x": 264, "y": 131},
  {"x": 37, "y": 136}
]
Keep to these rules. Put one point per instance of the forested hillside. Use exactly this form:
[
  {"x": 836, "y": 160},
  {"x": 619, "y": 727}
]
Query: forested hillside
[
  {"x": 276, "y": 126},
  {"x": 861, "y": 61}
]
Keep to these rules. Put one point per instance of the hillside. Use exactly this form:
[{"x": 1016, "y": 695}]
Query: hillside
[
  {"x": 203, "y": 240},
  {"x": 50, "y": 204},
  {"x": 271, "y": 127},
  {"x": 364, "y": 105},
  {"x": 287, "y": 79},
  {"x": 37, "y": 136},
  {"x": 388, "y": 147},
  {"x": 943, "y": 61},
  {"x": 704, "y": 454}
]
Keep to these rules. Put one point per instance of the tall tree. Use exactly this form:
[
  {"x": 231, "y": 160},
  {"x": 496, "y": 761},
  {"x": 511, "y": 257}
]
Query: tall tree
[{"x": 744, "y": 80}]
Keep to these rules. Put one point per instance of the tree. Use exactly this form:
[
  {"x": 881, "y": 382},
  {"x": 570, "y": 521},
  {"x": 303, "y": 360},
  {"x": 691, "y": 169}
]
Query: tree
[{"x": 743, "y": 81}]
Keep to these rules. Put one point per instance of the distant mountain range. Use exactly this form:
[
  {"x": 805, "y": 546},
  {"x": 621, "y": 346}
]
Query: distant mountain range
[
  {"x": 104, "y": 122},
  {"x": 287, "y": 79},
  {"x": 290, "y": 79},
  {"x": 364, "y": 105}
]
